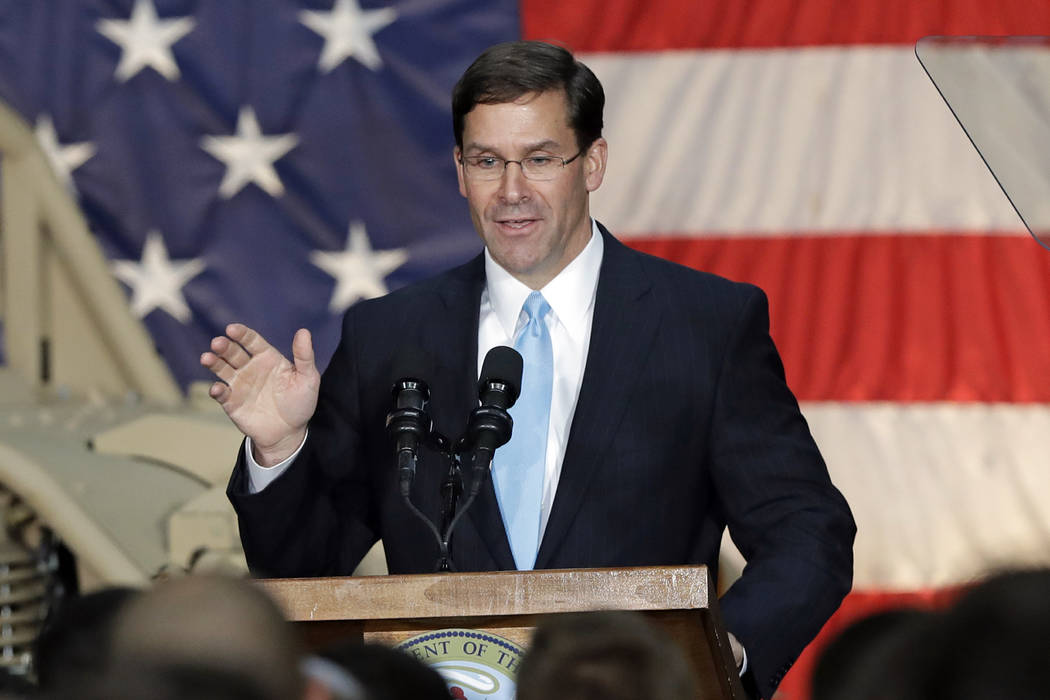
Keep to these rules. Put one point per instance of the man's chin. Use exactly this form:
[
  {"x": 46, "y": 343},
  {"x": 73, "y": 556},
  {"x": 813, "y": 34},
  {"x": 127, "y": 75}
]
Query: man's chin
[
  {"x": 523, "y": 267},
  {"x": 517, "y": 266}
]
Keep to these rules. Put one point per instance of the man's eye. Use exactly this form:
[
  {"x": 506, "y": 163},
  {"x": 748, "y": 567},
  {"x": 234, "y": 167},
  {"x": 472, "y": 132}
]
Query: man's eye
[
  {"x": 540, "y": 161},
  {"x": 486, "y": 163}
]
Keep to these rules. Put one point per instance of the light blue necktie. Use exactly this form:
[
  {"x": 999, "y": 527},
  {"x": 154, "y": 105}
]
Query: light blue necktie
[{"x": 518, "y": 467}]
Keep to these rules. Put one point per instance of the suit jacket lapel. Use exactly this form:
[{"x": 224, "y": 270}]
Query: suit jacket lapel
[
  {"x": 624, "y": 324},
  {"x": 449, "y": 336},
  {"x": 455, "y": 349}
]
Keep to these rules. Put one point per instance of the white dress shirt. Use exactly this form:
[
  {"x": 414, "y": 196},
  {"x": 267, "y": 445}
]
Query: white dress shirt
[{"x": 571, "y": 298}]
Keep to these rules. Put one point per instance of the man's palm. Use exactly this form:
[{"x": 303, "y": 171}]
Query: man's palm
[{"x": 267, "y": 397}]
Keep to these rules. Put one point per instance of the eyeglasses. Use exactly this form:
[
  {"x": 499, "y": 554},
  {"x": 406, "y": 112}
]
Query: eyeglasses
[{"x": 533, "y": 167}]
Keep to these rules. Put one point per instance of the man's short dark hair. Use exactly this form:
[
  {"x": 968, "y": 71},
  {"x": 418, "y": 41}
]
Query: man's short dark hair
[{"x": 505, "y": 72}]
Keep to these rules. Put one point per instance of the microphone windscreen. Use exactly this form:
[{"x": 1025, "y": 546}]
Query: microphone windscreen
[
  {"x": 502, "y": 364},
  {"x": 411, "y": 362}
]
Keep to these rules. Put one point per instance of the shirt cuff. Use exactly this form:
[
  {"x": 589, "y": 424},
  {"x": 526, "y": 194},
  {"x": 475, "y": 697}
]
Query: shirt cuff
[{"x": 259, "y": 477}]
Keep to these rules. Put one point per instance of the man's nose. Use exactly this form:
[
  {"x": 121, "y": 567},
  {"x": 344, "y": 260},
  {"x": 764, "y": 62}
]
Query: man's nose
[{"x": 513, "y": 186}]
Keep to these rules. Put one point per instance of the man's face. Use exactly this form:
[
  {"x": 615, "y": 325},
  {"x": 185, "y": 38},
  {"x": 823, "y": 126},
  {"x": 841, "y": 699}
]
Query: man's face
[{"x": 533, "y": 229}]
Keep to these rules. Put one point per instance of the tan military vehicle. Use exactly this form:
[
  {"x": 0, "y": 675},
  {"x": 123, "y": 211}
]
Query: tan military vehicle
[{"x": 108, "y": 473}]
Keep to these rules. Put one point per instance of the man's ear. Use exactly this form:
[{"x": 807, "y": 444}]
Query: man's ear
[
  {"x": 456, "y": 154},
  {"x": 594, "y": 163}
]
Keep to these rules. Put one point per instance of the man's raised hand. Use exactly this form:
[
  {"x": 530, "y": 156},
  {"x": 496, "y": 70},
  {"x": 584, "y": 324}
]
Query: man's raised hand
[{"x": 267, "y": 397}]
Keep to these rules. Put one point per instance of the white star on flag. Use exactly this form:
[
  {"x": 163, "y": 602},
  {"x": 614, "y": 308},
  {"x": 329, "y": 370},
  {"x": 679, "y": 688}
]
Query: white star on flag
[
  {"x": 64, "y": 158},
  {"x": 146, "y": 41},
  {"x": 249, "y": 156},
  {"x": 157, "y": 281},
  {"x": 358, "y": 270},
  {"x": 347, "y": 31}
]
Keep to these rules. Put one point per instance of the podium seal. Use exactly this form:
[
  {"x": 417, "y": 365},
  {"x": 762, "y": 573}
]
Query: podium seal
[{"x": 474, "y": 664}]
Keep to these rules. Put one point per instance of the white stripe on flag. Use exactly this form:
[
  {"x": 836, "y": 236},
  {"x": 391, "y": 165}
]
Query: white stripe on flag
[
  {"x": 942, "y": 492},
  {"x": 817, "y": 140}
]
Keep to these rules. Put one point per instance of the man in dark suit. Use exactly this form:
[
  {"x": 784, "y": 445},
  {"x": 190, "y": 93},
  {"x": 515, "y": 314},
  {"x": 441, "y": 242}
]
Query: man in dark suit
[{"x": 667, "y": 418}]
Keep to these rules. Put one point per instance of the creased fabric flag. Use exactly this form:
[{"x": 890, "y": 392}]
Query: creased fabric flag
[
  {"x": 264, "y": 161},
  {"x": 800, "y": 146},
  {"x": 272, "y": 162}
]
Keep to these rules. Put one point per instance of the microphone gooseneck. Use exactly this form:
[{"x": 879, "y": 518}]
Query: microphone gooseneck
[{"x": 410, "y": 426}]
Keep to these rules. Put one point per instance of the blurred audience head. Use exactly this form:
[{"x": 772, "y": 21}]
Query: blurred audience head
[
  {"x": 155, "y": 680},
  {"x": 993, "y": 643},
  {"x": 210, "y": 628},
  {"x": 15, "y": 686},
  {"x": 75, "y": 641},
  {"x": 382, "y": 673},
  {"x": 603, "y": 656},
  {"x": 855, "y": 665}
]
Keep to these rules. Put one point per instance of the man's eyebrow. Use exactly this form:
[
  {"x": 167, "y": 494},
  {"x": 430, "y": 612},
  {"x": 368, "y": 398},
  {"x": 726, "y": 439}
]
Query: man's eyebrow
[{"x": 545, "y": 145}]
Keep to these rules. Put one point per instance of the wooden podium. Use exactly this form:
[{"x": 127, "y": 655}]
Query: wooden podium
[{"x": 390, "y": 609}]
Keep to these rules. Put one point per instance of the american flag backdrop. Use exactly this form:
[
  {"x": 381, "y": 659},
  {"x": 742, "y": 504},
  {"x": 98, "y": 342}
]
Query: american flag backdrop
[{"x": 273, "y": 161}]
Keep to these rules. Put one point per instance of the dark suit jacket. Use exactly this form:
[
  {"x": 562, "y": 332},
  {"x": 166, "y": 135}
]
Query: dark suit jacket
[{"x": 684, "y": 425}]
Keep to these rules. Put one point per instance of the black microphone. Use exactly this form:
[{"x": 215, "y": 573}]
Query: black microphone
[
  {"x": 490, "y": 425},
  {"x": 409, "y": 424}
]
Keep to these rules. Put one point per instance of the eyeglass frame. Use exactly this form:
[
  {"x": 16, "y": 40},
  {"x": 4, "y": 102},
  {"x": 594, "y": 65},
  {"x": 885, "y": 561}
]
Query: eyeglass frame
[{"x": 507, "y": 161}]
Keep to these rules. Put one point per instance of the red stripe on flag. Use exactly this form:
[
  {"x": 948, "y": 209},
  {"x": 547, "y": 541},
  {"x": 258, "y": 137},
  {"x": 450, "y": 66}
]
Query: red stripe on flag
[
  {"x": 628, "y": 25},
  {"x": 895, "y": 317}
]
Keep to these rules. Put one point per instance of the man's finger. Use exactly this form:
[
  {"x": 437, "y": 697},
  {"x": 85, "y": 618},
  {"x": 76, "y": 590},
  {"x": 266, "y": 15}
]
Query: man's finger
[
  {"x": 232, "y": 352},
  {"x": 218, "y": 367},
  {"x": 252, "y": 341},
  {"x": 219, "y": 391},
  {"x": 303, "y": 351}
]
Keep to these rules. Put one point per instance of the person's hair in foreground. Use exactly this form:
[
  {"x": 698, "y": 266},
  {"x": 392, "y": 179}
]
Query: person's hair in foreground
[
  {"x": 508, "y": 71},
  {"x": 154, "y": 680},
  {"x": 608, "y": 655},
  {"x": 871, "y": 657},
  {"x": 210, "y": 628},
  {"x": 387, "y": 674},
  {"x": 993, "y": 643},
  {"x": 75, "y": 641}
]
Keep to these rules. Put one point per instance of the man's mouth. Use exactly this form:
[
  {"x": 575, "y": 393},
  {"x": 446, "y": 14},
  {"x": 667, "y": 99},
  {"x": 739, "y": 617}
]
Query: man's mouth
[{"x": 515, "y": 224}]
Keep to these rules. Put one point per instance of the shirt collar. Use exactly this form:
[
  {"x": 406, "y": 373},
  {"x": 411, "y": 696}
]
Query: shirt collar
[{"x": 570, "y": 294}]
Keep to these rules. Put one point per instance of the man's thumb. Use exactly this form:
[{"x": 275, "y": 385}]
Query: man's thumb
[{"x": 303, "y": 351}]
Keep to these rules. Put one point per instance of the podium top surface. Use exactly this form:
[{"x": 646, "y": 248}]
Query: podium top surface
[{"x": 491, "y": 593}]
